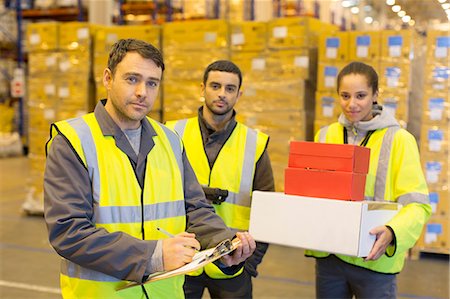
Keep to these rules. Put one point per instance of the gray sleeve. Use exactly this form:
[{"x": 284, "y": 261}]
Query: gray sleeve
[
  {"x": 69, "y": 214},
  {"x": 201, "y": 218}
]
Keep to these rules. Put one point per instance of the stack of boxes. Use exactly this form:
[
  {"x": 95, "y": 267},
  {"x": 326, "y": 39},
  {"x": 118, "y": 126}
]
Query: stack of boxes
[
  {"x": 335, "y": 171},
  {"x": 333, "y": 56},
  {"x": 104, "y": 37},
  {"x": 58, "y": 88},
  {"x": 394, "y": 70},
  {"x": 434, "y": 145},
  {"x": 389, "y": 52},
  {"x": 277, "y": 79},
  {"x": 317, "y": 174},
  {"x": 188, "y": 48}
]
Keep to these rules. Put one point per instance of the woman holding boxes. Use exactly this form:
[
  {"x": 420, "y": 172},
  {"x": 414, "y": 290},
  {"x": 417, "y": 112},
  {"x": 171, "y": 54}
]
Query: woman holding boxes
[{"x": 395, "y": 175}]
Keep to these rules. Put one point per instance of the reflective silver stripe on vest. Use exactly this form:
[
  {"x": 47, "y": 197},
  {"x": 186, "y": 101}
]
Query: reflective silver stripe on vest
[
  {"x": 90, "y": 153},
  {"x": 132, "y": 214},
  {"x": 180, "y": 126},
  {"x": 73, "y": 270},
  {"x": 175, "y": 143},
  {"x": 413, "y": 198},
  {"x": 383, "y": 164},
  {"x": 248, "y": 166},
  {"x": 323, "y": 134}
]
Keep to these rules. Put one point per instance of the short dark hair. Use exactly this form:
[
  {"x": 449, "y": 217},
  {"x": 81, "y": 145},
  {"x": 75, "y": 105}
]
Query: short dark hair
[
  {"x": 360, "y": 68},
  {"x": 123, "y": 46},
  {"x": 223, "y": 66}
]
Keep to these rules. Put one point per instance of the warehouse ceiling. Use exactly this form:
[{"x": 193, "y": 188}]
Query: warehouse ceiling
[{"x": 422, "y": 11}]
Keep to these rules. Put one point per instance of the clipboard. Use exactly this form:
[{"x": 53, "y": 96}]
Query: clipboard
[{"x": 199, "y": 260}]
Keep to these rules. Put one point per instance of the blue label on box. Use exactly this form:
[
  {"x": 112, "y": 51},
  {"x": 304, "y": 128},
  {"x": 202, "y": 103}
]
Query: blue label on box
[
  {"x": 332, "y": 42},
  {"x": 443, "y": 42},
  {"x": 331, "y": 71},
  {"x": 395, "y": 41},
  {"x": 363, "y": 40},
  {"x": 434, "y": 228},
  {"x": 435, "y": 135},
  {"x": 434, "y": 166},
  {"x": 393, "y": 72},
  {"x": 391, "y": 105},
  {"x": 441, "y": 72},
  {"x": 436, "y": 103},
  {"x": 327, "y": 100},
  {"x": 434, "y": 197}
]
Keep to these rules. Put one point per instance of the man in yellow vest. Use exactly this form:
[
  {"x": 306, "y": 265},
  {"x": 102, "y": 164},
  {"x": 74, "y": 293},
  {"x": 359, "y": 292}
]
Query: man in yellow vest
[
  {"x": 113, "y": 177},
  {"x": 230, "y": 161}
]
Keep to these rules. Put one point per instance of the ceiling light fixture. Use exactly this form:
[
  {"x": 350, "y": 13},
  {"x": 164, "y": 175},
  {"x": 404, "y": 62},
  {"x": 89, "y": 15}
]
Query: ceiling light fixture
[
  {"x": 406, "y": 19},
  {"x": 442, "y": 1},
  {"x": 446, "y": 6},
  {"x": 347, "y": 3},
  {"x": 396, "y": 8},
  {"x": 368, "y": 20},
  {"x": 354, "y": 10},
  {"x": 392, "y": 2},
  {"x": 411, "y": 22},
  {"x": 401, "y": 13}
]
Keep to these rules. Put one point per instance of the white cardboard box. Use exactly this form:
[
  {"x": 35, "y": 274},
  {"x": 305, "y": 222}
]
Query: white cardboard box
[{"x": 329, "y": 225}]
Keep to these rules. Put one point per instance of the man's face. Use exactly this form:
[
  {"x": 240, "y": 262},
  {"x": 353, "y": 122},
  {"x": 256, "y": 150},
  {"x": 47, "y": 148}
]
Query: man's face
[
  {"x": 132, "y": 90},
  {"x": 221, "y": 92}
]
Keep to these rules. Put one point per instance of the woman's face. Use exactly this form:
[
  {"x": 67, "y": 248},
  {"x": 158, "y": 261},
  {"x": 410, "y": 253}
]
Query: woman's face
[{"x": 356, "y": 97}]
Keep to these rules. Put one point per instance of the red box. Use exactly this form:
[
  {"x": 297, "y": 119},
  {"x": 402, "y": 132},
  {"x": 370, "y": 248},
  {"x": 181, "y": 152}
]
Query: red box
[
  {"x": 325, "y": 184},
  {"x": 327, "y": 156}
]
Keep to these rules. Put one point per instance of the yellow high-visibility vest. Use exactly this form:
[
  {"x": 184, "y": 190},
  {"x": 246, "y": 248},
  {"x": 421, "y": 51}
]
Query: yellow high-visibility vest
[
  {"x": 233, "y": 170},
  {"x": 395, "y": 175},
  {"x": 117, "y": 199}
]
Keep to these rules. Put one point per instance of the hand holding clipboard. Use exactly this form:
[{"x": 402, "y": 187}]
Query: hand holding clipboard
[{"x": 199, "y": 260}]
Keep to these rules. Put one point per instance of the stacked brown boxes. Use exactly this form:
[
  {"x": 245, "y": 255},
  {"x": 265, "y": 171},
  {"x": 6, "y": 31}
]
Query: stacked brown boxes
[
  {"x": 394, "y": 70},
  {"x": 104, "y": 38},
  {"x": 188, "y": 48},
  {"x": 333, "y": 55},
  {"x": 58, "y": 88},
  {"x": 389, "y": 52},
  {"x": 434, "y": 145},
  {"x": 277, "y": 77}
]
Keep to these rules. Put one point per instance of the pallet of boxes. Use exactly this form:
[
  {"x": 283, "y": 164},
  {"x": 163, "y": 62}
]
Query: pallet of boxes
[
  {"x": 59, "y": 64},
  {"x": 323, "y": 202},
  {"x": 434, "y": 143}
]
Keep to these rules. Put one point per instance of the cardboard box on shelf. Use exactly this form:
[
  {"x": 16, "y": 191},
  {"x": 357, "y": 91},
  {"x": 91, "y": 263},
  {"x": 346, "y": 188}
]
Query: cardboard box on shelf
[
  {"x": 75, "y": 36},
  {"x": 436, "y": 109},
  {"x": 327, "y": 106},
  {"x": 435, "y": 235},
  {"x": 195, "y": 35},
  {"x": 434, "y": 140},
  {"x": 438, "y": 46},
  {"x": 435, "y": 168},
  {"x": 248, "y": 36},
  {"x": 345, "y": 230},
  {"x": 364, "y": 45},
  {"x": 334, "y": 47},
  {"x": 440, "y": 200},
  {"x": 106, "y": 36},
  {"x": 396, "y": 45},
  {"x": 394, "y": 75},
  {"x": 42, "y": 36},
  {"x": 327, "y": 74}
]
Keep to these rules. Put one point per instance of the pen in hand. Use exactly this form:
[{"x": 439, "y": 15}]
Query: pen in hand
[
  {"x": 171, "y": 235},
  {"x": 165, "y": 232}
]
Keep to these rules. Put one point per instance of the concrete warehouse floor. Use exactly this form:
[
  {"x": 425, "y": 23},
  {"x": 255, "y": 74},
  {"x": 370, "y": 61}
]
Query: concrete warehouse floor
[{"x": 29, "y": 267}]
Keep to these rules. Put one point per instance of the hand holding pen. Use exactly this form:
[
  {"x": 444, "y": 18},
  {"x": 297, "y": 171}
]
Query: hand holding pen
[{"x": 179, "y": 249}]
